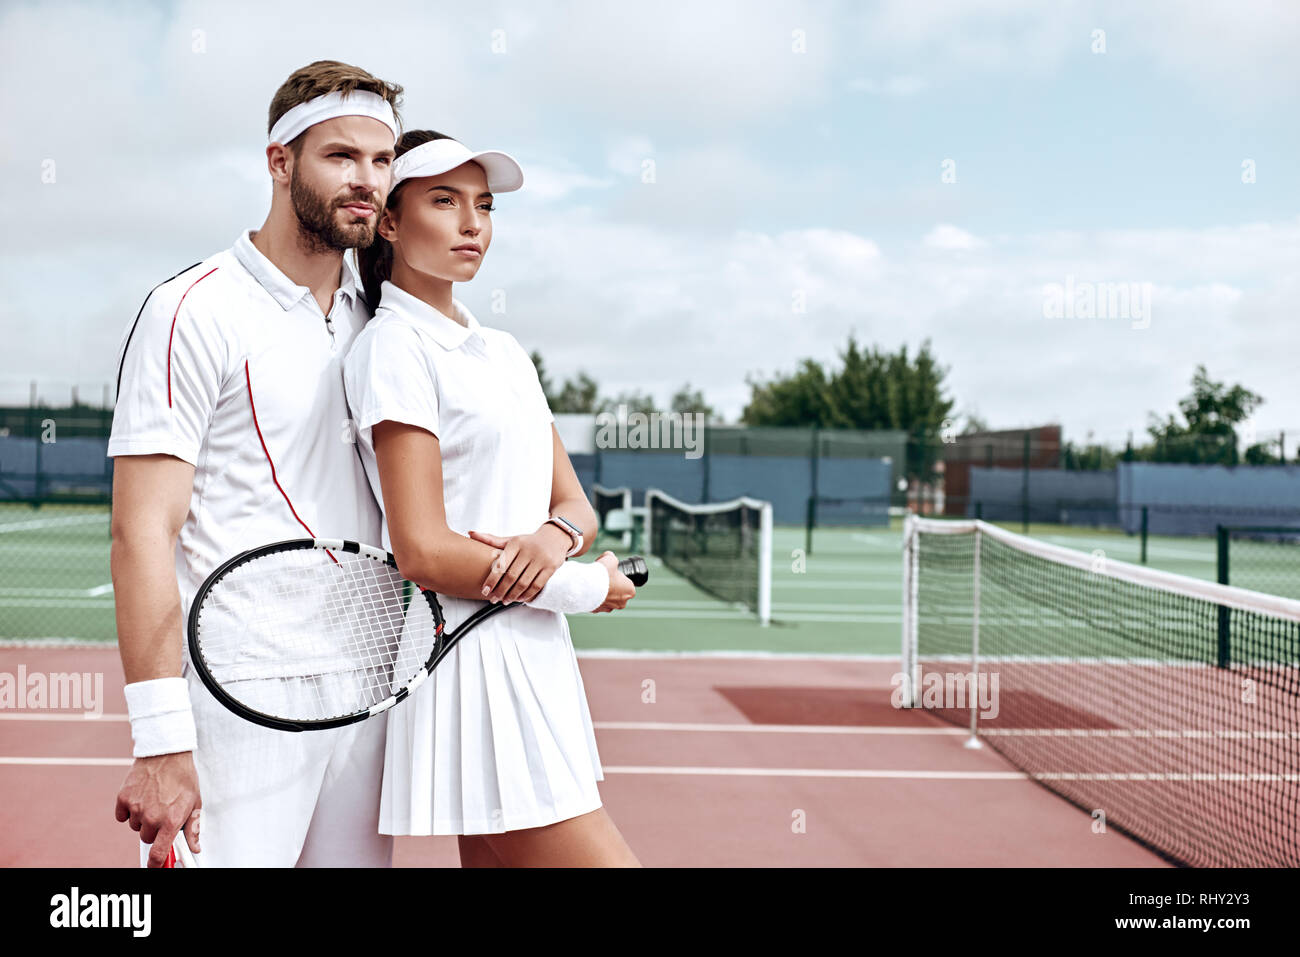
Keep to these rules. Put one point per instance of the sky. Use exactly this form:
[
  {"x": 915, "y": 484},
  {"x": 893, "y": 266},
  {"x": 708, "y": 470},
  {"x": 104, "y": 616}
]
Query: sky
[{"x": 717, "y": 190}]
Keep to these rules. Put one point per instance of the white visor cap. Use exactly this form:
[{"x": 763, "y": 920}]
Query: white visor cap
[{"x": 439, "y": 156}]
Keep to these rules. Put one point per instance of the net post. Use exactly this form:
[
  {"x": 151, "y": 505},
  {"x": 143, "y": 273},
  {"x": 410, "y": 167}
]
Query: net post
[
  {"x": 649, "y": 518},
  {"x": 1225, "y": 613},
  {"x": 907, "y": 658},
  {"x": 973, "y": 742},
  {"x": 765, "y": 564},
  {"x": 1145, "y": 519},
  {"x": 809, "y": 520}
]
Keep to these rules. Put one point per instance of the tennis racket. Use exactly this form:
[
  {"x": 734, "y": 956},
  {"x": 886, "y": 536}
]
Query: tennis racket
[
  {"x": 312, "y": 633},
  {"x": 180, "y": 855}
]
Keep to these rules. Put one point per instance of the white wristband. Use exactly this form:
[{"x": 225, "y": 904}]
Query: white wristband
[
  {"x": 161, "y": 719},
  {"x": 575, "y": 587}
]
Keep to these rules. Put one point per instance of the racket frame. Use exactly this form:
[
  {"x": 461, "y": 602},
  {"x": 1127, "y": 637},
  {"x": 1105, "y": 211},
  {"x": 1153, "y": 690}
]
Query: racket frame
[
  {"x": 444, "y": 640},
  {"x": 441, "y": 646}
]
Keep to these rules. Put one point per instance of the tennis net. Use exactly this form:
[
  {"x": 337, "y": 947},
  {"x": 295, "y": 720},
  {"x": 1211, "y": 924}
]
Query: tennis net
[
  {"x": 724, "y": 549},
  {"x": 1166, "y": 704},
  {"x": 606, "y": 500}
]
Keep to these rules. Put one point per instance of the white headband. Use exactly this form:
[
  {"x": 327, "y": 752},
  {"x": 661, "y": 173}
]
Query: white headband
[
  {"x": 329, "y": 106},
  {"x": 439, "y": 156}
]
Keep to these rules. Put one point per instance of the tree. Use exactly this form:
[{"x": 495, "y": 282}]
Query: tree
[
  {"x": 685, "y": 400},
  {"x": 541, "y": 374},
  {"x": 632, "y": 401},
  {"x": 1208, "y": 433},
  {"x": 1264, "y": 453},
  {"x": 577, "y": 395},
  {"x": 1090, "y": 457},
  {"x": 801, "y": 399},
  {"x": 871, "y": 390}
]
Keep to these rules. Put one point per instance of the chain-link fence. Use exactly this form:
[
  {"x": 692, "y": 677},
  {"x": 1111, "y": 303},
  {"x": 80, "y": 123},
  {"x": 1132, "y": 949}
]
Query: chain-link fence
[{"x": 1263, "y": 558}]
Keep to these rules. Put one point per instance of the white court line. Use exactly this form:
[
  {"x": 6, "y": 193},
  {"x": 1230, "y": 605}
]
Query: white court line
[
  {"x": 645, "y": 769},
  {"x": 39, "y": 523},
  {"x": 880, "y": 730},
  {"x": 824, "y": 773},
  {"x": 879, "y": 540},
  {"x": 70, "y": 762},
  {"x": 97, "y": 591},
  {"x": 111, "y": 645},
  {"x": 775, "y": 728},
  {"x": 608, "y": 725},
  {"x": 810, "y": 581},
  {"x": 758, "y": 655},
  {"x": 80, "y": 717},
  {"x": 868, "y": 773},
  {"x": 660, "y": 604},
  {"x": 100, "y": 602},
  {"x": 777, "y": 615},
  {"x": 54, "y": 641}
]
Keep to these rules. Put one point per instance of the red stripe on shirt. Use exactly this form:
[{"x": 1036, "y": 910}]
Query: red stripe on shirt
[
  {"x": 249, "y": 379},
  {"x": 172, "y": 334}
]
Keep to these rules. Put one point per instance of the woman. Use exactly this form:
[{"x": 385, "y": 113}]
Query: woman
[{"x": 480, "y": 502}]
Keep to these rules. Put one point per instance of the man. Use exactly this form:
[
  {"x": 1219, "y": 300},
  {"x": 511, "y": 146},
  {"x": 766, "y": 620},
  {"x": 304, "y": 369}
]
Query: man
[{"x": 231, "y": 430}]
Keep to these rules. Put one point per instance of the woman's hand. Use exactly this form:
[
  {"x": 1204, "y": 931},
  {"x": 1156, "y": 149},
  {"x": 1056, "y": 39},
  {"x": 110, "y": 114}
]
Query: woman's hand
[
  {"x": 525, "y": 563},
  {"x": 621, "y": 588}
]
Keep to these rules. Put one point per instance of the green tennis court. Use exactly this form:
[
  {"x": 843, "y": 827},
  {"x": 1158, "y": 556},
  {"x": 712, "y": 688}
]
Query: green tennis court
[
  {"x": 843, "y": 599},
  {"x": 54, "y": 574}
]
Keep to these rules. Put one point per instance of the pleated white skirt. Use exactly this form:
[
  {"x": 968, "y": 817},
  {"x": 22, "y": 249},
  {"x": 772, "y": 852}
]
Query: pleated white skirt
[{"x": 499, "y": 738}]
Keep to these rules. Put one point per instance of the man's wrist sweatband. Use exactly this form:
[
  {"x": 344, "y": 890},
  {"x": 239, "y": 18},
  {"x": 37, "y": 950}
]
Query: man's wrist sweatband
[{"x": 161, "y": 719}]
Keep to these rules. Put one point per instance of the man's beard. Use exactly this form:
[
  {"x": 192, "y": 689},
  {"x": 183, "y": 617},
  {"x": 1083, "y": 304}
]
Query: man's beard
[{"x": 319, "y": 227}]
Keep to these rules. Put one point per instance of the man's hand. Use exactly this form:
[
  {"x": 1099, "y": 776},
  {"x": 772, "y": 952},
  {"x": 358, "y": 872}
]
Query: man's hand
[
  {"x": 160, "y": 796},
  {"x": 525, "y": 564},
  {"x": 621, "y": 589}
]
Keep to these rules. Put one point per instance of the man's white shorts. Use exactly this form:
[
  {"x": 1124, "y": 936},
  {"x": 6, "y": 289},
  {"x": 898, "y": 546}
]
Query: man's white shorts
[{"x": 283, "y": 798}]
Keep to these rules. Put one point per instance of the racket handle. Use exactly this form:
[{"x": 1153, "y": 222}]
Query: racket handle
[{"x": 635, "y": 569}]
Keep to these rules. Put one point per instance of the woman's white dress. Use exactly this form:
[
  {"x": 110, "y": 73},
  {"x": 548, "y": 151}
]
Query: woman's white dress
[{"x": 500, "y": 737}]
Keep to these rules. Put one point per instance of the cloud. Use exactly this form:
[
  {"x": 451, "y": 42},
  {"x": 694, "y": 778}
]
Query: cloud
[
  {"x": 795, "y": 198},
  {"x": 893, "y": 86},
  {"x": 945, "y": 236}
]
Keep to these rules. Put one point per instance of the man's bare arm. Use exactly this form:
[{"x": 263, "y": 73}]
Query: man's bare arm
[{"x": 151, "y": 499}]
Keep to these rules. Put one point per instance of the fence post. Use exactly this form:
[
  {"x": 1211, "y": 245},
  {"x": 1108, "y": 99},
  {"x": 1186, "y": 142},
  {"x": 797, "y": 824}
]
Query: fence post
[
  {"x": 704, "y": 491},
  {"x": 1225, "y": 613},
  {"x": 1024, "y": 488},
  {"x": 34, "y": 430},
  {"x": 1144, "y": 534},
  {"x": 814, "y": 453}
]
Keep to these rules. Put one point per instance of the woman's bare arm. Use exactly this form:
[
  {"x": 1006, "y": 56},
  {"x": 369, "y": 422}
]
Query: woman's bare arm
[
  {"x": 567, "y": 497},
  {"x": 428, "y": 552}
]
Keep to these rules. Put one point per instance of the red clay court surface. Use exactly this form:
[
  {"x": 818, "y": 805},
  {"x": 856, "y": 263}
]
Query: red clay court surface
[{"x": 736, "y": 762}]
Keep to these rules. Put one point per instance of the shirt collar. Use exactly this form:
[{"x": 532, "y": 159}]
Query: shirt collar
[
  {"x": 283, "y": 289},
  {"x": 446, "y": 331}
]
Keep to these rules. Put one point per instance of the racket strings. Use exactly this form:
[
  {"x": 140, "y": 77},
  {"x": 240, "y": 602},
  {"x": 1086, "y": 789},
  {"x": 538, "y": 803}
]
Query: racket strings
[{"x": 298, "y": 636}]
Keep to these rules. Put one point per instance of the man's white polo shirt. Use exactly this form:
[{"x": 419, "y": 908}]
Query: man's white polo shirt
[{"x": 231, "y": 366}]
